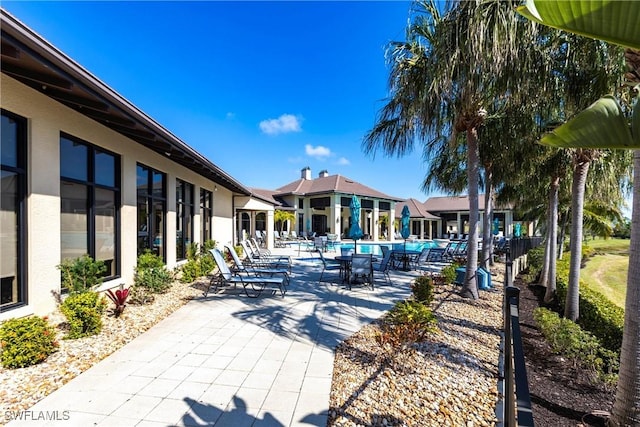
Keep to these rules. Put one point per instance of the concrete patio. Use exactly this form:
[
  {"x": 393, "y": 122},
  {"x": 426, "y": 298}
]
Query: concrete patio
[{"x": 227, "y": 360}]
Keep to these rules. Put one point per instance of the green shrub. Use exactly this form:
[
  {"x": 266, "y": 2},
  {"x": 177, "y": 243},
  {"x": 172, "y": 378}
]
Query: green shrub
[
  {"x": 26, "y": 341},
  {"x": 83, "y": 312},
  {"x": 598, "y": 314},
  {"x": 449, "y": 273},
  {"x": 411, "y": 312},
  {"x": 81, "y": 274},
  {"x": 535, "y": 257},
  {"x": 200, "y": 262},
  {"x": 581, "y": 347},
  {"x": 422, "y": 289},
  {"x": 151, "y": 273},
  {"x": 407, "y": 322}
]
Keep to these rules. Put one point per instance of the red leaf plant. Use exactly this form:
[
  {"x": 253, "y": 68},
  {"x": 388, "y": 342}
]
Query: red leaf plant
[{"x": 119, "y": 298}]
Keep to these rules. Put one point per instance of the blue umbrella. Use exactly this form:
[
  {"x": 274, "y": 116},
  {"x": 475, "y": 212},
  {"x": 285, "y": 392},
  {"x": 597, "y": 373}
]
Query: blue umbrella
[
  {"x": 355, "y": 232},
  {"x": 404, "y": 230},
  {"x": 406, "y": 215}
]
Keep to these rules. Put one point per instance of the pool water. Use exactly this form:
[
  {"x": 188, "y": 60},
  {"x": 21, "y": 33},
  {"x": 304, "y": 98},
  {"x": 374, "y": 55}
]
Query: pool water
[{"x": 374, "y": 248}]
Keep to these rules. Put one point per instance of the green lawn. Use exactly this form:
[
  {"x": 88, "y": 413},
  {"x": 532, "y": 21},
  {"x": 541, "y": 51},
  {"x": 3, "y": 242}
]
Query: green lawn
[{"x": 606, "y": 272}]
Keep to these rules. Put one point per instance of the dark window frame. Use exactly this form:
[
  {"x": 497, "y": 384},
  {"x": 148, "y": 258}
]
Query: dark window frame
[
  {"x": 20, "y": 169},
  {"x": 206, "y": 215},
  {"x": 92, "y": 186},
  {"x": 186, "y": 213},
  {"x": 150, "y": 199}
]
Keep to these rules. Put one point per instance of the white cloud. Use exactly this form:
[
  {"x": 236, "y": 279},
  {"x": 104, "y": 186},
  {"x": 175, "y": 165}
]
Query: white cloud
[
  {"x": 318, "y": 152},
  {"x": 343, "y": 161},
  {"x": 284, "y": 124},
  {"x": 230, "y": 115}
]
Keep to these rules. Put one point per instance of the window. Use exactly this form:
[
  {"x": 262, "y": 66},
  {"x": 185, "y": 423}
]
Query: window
[
  {"x": 89, "y": 202},
  {"x": 206, "y": 213},
  {"x": 152, "y": 201},
  {"x": 261, "y": 221},
  {"x": 184, "y": 217},
  {"x": 13, "y": 196},
  {"x": 245, "y": 225}
]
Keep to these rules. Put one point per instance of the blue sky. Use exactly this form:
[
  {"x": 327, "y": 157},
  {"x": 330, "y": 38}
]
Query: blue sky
[{"x": 262, "y": 89}]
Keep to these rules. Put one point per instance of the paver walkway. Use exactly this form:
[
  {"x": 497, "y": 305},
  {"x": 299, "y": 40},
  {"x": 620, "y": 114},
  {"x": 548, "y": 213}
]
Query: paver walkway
[{"x": 227, "y": 360}]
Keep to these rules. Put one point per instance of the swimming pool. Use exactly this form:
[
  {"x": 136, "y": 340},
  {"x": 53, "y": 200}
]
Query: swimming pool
[{"x": 374, "y": 248}]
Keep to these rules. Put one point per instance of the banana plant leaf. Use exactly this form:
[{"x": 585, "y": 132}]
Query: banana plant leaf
[
  {"x": 601, "y": 125},
  {"x": 614, "y": 21}
]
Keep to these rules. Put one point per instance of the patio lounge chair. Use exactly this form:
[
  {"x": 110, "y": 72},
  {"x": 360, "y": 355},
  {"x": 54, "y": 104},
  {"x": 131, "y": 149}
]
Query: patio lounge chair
[
  {"x": 254, "y": 270},
  {"x": 256, "y": 256},
  {"x": 252, "y": 285},
  {"x": 264, "y": 261},
  {"x": 278, "y": 241},
  {"x": 253, "y": 244}
]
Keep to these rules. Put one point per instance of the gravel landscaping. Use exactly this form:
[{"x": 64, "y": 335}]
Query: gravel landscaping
[{"x": 449, "y": 379}]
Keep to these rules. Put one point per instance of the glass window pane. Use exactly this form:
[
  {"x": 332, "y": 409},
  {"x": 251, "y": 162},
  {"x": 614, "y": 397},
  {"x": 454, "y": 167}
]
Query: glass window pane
[
  {"x": 188, "y": 194},
  {"x": 179, "y": 187},
  {"x": 73, "y": 160},
  {"x": 73, "y": 220},
  {"x": 158, "y": 184},
  {"x": 180, "y": 249},
  {"x": 143, "y": 225},
  {"x": 9, "y": 148},
  {"x": 142, "y": 180},
  {"x": 105, "y": 165},
  {"x": 10, "y": 292},
  {"x": 158, "y": 228},
  {"x": 106, "y": 229}
]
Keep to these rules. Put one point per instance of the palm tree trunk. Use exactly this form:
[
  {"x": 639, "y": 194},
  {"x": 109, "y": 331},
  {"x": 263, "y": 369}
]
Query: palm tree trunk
[
  {"x": 572, "y": 304},
  {"x": 544, "y": 274},
  {"x": 626, "y": 408},
  {"x": 487, "y": 241},
  {"x": 563, "y": 233},
  {"x": 553, "y": 240},
  {"x": 470, "y": 286}
]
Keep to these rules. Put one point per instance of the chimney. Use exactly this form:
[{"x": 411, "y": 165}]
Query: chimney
[
  {"x": 305, "y": 173},
  {"x": 323, "y": 174}
]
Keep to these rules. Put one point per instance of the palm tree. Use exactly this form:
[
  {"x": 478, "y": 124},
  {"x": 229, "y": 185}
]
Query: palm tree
[
  {"x": 459, "y": 58},
  {"x": 604, "y": 123},
  {"x": 280, "y": 217}
]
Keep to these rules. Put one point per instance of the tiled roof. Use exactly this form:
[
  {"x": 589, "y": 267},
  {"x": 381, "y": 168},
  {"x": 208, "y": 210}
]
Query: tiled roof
[
  {"x": 270, "y": 196},
  {"x": 416, "y": 208},
  {"x": 331, "y": 184},
  {"x": 454, "y": 204}
]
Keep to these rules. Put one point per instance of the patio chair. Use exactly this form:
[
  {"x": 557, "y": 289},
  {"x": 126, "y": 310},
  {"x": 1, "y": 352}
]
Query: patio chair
[
  {"x": 329, "y": 266},
  {"x": 384, "y": 265},
  {"x": 278, "y": 241},
  {"x": 346, "y": 251},
  {"x": 255, "y": 270},
  {"x": 253, "y": 244},
  {"x": 422, "y": 258},
  {"x": 319, "y": 244},
  {"x": 361, "y": 267},
  {"x": 264, "y": 261},
  {"x": 252, "y": 285},
  {"x": 332, "y": 239}
]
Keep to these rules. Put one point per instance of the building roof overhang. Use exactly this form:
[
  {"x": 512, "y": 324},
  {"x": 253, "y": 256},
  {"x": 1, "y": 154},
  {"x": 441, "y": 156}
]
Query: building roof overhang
[{"x": 30, "y": 59}]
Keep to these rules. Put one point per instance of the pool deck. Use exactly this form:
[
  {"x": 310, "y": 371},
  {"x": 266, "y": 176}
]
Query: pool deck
[{"x": 227, "y": 360}]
